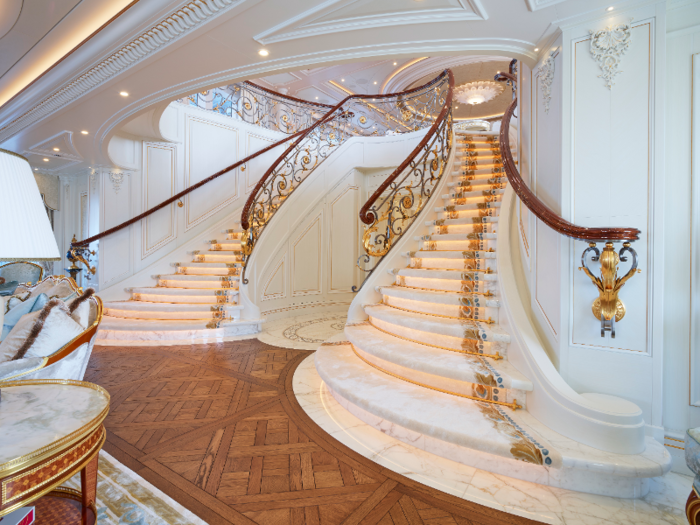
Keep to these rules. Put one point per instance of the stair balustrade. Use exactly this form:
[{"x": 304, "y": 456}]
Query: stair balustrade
[{"x": 354, "y": 116}]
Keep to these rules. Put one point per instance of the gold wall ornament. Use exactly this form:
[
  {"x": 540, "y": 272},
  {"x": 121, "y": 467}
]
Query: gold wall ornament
[{"x": 607, "y": 308}]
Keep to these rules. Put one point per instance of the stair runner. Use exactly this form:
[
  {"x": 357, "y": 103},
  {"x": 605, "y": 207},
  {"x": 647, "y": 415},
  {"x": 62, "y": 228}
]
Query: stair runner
[
  {"x": 199, "y": 296},
  {"x": 433, "y": 360}
]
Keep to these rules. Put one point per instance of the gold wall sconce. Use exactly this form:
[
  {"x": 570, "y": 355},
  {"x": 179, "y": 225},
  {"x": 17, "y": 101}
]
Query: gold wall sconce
[{"x": 608, "y": 308}]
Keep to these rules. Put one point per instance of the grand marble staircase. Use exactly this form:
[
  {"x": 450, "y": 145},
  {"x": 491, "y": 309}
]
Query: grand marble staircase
[
  {"x": 430, "y": 365},
  {"x": 198, "y": 302}
]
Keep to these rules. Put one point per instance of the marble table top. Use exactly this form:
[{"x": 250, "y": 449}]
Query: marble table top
[{"x": 33, "y": 416}]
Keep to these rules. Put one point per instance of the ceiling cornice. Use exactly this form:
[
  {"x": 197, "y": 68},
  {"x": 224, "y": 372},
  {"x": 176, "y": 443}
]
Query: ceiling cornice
[{"x": 182, "y": 21}]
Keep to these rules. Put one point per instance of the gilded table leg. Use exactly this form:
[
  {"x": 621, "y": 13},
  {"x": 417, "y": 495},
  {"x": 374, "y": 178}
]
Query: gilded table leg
[
  {"x": 88, "y": 485},
  {"x": 692, "y": 508}
]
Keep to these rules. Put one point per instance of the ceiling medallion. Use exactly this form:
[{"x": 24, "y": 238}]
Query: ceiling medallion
[{"x": 478, "y": 92}]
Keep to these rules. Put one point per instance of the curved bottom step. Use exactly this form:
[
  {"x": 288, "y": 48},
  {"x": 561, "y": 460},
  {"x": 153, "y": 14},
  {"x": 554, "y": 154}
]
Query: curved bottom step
[
  {"x": 484, "y": 436},
  {"x": 116, "y": 331}
]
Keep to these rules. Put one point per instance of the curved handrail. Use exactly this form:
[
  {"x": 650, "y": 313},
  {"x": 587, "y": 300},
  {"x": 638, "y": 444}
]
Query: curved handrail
[
  {"x": 355, "y": 115},
  {"x": 184, "y": 192},
  {"x": 533, "y": 203}
]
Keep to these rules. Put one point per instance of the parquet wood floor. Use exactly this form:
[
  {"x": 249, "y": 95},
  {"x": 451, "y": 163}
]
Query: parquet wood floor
[{"x": 218, "y": 429}]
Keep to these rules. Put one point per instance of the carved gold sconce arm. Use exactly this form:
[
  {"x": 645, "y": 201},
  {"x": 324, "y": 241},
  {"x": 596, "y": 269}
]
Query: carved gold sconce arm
[{"x": 607, "y": 308}]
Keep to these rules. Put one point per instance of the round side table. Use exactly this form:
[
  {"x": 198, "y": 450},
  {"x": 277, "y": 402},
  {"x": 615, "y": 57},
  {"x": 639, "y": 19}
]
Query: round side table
[{"x": 51, "y": 430}]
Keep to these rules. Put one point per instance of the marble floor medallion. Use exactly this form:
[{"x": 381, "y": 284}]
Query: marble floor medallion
[{"x": 304, "y": 332}]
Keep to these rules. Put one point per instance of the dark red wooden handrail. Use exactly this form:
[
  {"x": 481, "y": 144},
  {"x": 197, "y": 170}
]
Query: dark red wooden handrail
[
  {"x": 251, "y": 200},
  {"x": 535, "y": 205}
]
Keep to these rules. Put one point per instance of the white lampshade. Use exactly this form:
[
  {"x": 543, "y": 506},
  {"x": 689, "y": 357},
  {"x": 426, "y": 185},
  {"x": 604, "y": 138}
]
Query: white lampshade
[{"x": 25, "y": 230}]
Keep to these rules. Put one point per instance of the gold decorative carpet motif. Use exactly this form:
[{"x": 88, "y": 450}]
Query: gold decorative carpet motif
[{"x": 125, "y": 497}]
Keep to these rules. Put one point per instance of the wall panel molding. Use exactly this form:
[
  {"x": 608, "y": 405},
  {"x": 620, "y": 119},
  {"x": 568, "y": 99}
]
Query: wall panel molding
[{"x": 158, "y": 183}]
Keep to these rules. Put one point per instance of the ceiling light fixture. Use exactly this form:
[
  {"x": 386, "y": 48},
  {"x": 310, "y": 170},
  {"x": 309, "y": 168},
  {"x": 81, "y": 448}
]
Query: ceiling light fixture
[
  {"x": 537, "y": 49},
  {"x": 375, "y": 82},
  {"x": 84, "y": 132},
  {"x": 263, "y": 52},
  {"x": 394, "y": 63},
  {"x": 124, "y": 93},
  {"x": 46, "y": 160},
  {"x": 316, "y": 98},
  {"x": 478, "y": 92},
  {"x": 56, "y": 149},
  {"x": 610, "y": 8},
  {"x": 342, "y": 80}
]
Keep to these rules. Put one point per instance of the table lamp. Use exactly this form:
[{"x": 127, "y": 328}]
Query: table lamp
[{"x": 25, "y": 230}]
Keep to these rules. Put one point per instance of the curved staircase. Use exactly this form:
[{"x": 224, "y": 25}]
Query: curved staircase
[
  {"x": 196, "y": 303},
  {"x": 430, "y": 365}
]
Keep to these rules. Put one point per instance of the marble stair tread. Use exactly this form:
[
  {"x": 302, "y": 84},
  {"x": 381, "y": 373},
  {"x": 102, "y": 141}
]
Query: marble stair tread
[
  {"x": 167, "y": 307},
  {"x": 463, "y": 229},
  {"x": 476, "y": 193},
  {"x": 450, "y": 254},
  {"x": 468, "y": 206},
  {"x": 434, "y": 361},
  {"x": 439, "y": 297},
  {"x": 205, "y": 264},
  {"x": 466, "y": 245},
  {"x": 159, "y": 290},
  {"x": 144, "y": 325},
  {"x": 461, "y": 329},
  {"x": 205, "y": 278},
  {"x": 463, "y": 422},
  {"x": 469, "y": 265},
  {"x": 456, "y": 275},
  {"x": 478, "y": 183},
  {"x": 236, "y": 229},
  {"x": 463, "y": 174},
  {"x": 456, "y": 420},
  {"x": 465, "y": 221},
  {"x": 455, "y": 236}
]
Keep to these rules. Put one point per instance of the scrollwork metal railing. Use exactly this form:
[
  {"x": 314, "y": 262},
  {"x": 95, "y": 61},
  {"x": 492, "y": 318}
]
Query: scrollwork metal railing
[
  {"x": 257, "y": 105},
  {"x": 355, "y": 116}
]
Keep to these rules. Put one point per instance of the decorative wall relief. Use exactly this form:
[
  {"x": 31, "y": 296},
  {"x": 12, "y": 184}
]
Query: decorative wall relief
[
  {"x": 546, "y": 76},
  {"x": 607, "y": 47},
  {"x": 116, "y": 178}
]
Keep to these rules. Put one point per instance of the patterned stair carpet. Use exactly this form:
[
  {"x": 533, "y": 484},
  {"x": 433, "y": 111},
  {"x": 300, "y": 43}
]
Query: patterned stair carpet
[{"x": 125, "y": 497}]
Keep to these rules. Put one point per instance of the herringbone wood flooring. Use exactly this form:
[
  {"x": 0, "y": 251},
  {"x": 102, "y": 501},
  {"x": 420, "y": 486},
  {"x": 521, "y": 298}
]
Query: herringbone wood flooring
[{"x": 217, "y": 428}]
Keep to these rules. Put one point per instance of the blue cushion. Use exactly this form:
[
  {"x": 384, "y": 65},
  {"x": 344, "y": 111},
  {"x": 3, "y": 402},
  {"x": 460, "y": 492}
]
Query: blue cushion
[
  {"x": 32, "y": 304},
  {"x": 8, "y": 288}
]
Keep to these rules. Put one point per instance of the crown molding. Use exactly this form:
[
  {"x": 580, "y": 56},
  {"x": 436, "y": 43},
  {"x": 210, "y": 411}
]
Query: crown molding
[
  {"x": 305, "y": 24},
  {"x": 184, "y": 20}
]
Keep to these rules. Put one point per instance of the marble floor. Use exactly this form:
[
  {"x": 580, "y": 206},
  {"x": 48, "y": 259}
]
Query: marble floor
[
  {"x": 665, "y": 503},
  {"x": 303, "y": 332}
]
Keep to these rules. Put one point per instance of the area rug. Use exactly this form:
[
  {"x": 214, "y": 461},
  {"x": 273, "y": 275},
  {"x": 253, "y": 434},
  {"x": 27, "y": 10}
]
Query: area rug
[{"x": 124, "y": 497}]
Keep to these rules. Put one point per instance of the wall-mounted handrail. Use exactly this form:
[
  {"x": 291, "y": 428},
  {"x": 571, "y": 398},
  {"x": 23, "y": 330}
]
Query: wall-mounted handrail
[
  {"x": 184, "y": 192},
  {"x": 533, "y": 203},
  {"x": 355, "y": 115}
]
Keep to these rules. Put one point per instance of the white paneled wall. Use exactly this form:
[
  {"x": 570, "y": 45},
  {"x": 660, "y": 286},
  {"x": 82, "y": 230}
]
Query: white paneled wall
[{"x": 595, "y": 156}]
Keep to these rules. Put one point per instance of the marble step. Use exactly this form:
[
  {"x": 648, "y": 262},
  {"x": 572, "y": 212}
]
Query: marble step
[
  {"x": 236, "y": 229},
  {"x": 233, "y": 257},
  {"x": 165, "y": 311},
  {"x": 439, "y": 369},
  {"x": 447, "y": 304},
  {"x": 214, "y": 264},
  {"x": 145, "y": 325},
  {"x": 464, "y": 335},
  {"x": 225, "y": 247},
  {"x": 478, "y": 236},
  {"x": 482, "y": 435},
  {"x": 469, "y": 264},
  {"x": 196, "y": 269},
  {"x": 476, "y": 194},
  {"x": 487, "y": 274},
  {"x": 473, "y": 220},
  {"x": 478, "y": 155},
  {"x": 466, "y": 245},
  {"x": 450, "y": 254},
  {"x": 461, "y": 174},
  {"x": 476, "y": 165},
  {"x": 464, "y": 229},
  {"x": 471, "y": 206},
  {"x": 184, "y": 296},
  {"x": 197, "y": 281},
  {"x": 474, "y": 183},
  {"x": 448, "y": 285}
]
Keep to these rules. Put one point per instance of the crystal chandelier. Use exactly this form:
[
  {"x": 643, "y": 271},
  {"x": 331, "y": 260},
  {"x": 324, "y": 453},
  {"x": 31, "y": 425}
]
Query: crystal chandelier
[{"x": 478, "y": 92}]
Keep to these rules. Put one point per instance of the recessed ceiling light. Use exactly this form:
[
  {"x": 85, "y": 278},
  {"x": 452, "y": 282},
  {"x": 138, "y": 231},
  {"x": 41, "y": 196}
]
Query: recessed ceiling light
[
  {"x": 46, "y": 160},
  {"x": 56, "y": 149},
  {"x": 610, "y": 8},
  {"x": 342, "y": 80},
  {"x": 537, "y": 49},
  {"x": 394, "y": 63},
  {"x": 316, "y": 98},
  {"x": 84, "y": 132},
  {"x": 375, "y": 82},
  {"x": 263, "y": 52},
  {"x": 36, "y": 169},
  {"x": 124, "y": 93}
]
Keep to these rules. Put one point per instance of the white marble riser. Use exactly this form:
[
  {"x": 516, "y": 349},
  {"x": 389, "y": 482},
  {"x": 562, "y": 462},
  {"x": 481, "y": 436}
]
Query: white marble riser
[
  {"x": 196, "y": 270},
  {"x": 441, "y": 237},
  {"x": 470, "y": 206},
  {"x": 170, "y": 300},
  {"x": 468, "y": 345},
  {"x": 216, "y": 258},
  {"x": 148, "y": 336},
  {"x": 202, "y": 265},
  {"x": 183, "y": 292},
  {"x": 233, "y": 244},
  {"x": 237, "y": 229},
  {"x": 463, "y": 229},
  {"x": 453, "y": 264},
  {"x": 425, "y": 254},
  {"x": 474, "y": 194},
  {"x": 466, "y": 216},
  {"x": 456, "y": 312},
  {"x": 483, "y": 176},
  {"x": 220, "y": 252},
  {"x": 203, "y": 278},
  {"x": 470, "y": 245},
  {"x": 463, "y": 431},
  {"x": 437, "y": 297},
  {"x": 198, "y": 285},
  {"x": 487, "y": 222},
  {"x": 142, "y": 306},
  {"x": 164, "y": 315},
  {"x": 449, "y": 285},
  {"x": 454, "y": 328},
  {"x": 115, "y": 326},
  {"x": 477, "y": 184},
  {"x": 434, "y": 366},
  {"x": 457, "y": 275}
]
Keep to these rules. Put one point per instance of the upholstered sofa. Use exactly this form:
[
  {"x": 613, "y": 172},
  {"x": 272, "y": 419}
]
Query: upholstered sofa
[
  {"x": 70, "y": 360},
  {"x": 21, "y": 271}
]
